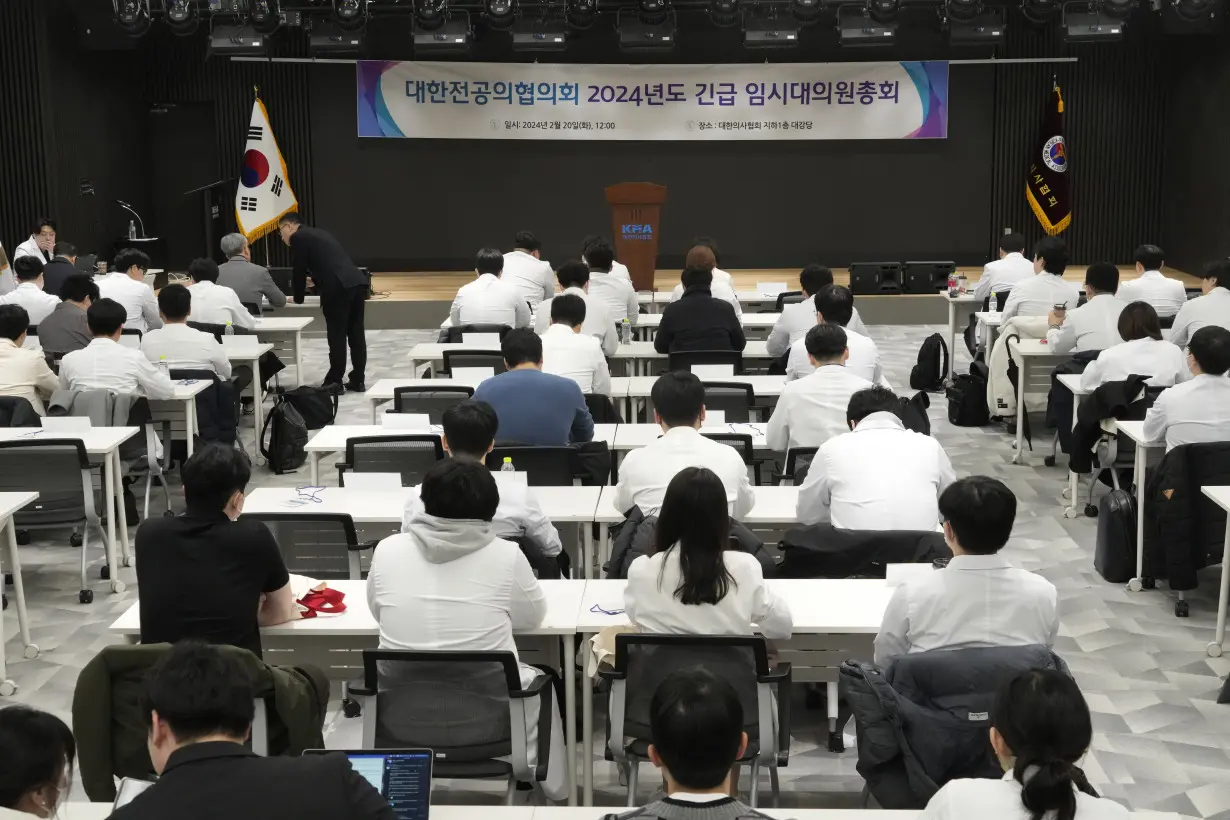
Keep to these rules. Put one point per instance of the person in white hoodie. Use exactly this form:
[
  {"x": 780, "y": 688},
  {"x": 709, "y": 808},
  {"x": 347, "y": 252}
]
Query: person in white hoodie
[{"x": 445, "y": 583}]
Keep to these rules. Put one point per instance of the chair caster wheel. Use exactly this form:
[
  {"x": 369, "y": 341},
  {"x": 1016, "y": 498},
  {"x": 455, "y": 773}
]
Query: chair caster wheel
[
  {"x": 1181, "y": 609},
  {"x": 117, "y": 587},
  {"x": 1135, "y": 585},
  {"x": 23, "y": 537},
  {"x": 169, "y": 514},
  {"x": 86, "y": 596},
  {"x": 1213, "y": 650},
  {"x": 351, "y": 708},
  {"x": 30, "y": 652},
  {"x": 1091, "y": 511},
  {"x": 7, "y": 689},
  {"x": 1148, "y": 583},
  {"x": 75, "y": 539},
  {"x": 1049, "y": 461},
  {"x": 126, "y": 561},
  {"x": 105, "y": 573},
  {"x": 836, "y": 742}
]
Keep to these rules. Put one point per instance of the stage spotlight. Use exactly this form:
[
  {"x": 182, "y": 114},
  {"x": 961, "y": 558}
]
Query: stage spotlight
[
  {"x": 265, "y": 16},
  {"x": 540, "y": 34},
  {"x": 350, "y": 14},
  {"x": 1196, "y": 10},
  {"x": 430, "y": 14},
  {"x": 1092, "y": 23},
  {"x": 132, "y": 16},
  {"x": 181, "y": 17},
  {"x": 883, "y": 11},
  {"x": 637, "y": 35},
  {"x": 1039, "y": 11},
  {"x": 963, "y": 10},
  {"x": 1118, "y": 9},
  {"x": 581, "y": 14},
  {"x": 969, "y": 24},
  {"x": 868, "y": 25},
  {"x": 450, "y": 34},
  {"x": 806, "y": 11},
  {"x": 501, "y": 14},
  {"x": 652, "y": 12},
  {"x": 724, "y": 13},
  {"x": 770, "y": 30}
]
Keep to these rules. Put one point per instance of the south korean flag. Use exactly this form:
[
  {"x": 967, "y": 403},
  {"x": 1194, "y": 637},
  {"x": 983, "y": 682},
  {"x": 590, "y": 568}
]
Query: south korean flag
[{"x": 264, "y": 193}]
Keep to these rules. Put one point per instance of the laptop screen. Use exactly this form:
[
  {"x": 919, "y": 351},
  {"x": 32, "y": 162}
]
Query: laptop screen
[{"x": 402, "y": 776}]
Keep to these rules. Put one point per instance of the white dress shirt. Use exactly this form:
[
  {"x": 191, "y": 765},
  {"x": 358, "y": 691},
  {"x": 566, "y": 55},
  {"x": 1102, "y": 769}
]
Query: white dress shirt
[
  {"x": 749, "y": 603},
  {"x": 645, "y": 471},
  {"x": 136, "y": 297},
  {"x": 107, "y": 365},
  {"x": 617, "y": 294},
  {"x": 722, "y": 288},
  {"x": 618, "y": 269},
  {"x": 30, "y": 248},
  {"x": 489, "y": 300},
  {"x": 186, "y": 348},
  {"x": 1167, "y": 296},
  {"x": 977, "y": 601},
  {"x": 1092, "y": 326},
  {"x": 1162, "y": 362},
  {"x": 1002, "y": 275},
  {"x": 30, "y": 296},
  {"x": 1193, "y": 412},
  {"x": 812, "y": 409},
  {"x": 472, "y": 603},
  {"x": 518, "y": 514},
  {"x": 880, "y": 476},
  {"x": 24, "y": 373},
  {"x": 1038, "y": 296},
  {"x": 215, "y": 304},
  {"x": 533, "y": 278},
  {"x": 864, "y": 359},
  {"x": 597, "y": 320},
  {"x": 1211, "y": 309},
  {"x": 970, "y": 799},
  {"x": 576, "y": 356},
  {"x": 796, "y": 320}
]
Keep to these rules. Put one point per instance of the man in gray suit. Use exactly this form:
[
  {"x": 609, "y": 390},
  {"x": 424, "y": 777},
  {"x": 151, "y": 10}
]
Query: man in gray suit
[{"x": 248, "y": 280}]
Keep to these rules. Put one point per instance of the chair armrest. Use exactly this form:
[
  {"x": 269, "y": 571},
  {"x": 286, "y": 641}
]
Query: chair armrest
[
  {"x": 779, "y": 674},
  {"x": 360, "y": 690},
  {"x": 782, "y": 677},
  {"x": 610, "y": 673},
  {"x": 533, "y": 690}
]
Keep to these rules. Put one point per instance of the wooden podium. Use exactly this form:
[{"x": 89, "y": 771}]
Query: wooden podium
[{"x": 636, "y": 210}]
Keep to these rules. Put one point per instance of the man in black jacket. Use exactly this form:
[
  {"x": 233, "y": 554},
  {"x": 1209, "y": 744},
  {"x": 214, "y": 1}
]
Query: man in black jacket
[
  {"x": 342, "y": 289},
  {"x": 199, "y": 707},
  {"x": 60, "y": 268},
  {"x": 698, "y": 321}
]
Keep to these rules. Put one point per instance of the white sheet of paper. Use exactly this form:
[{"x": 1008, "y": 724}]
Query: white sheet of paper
[
  {"x": 66, "y": 424},
  {"x": 371, "y": 482},
  {"x": 418, "y": 422},
  {"x": 472, "y": 375},
  {"x": 491, "y": 340},
  {"x": 771, "y": 288},
  {"x": 714, "y": 418},
  {"x": 713, "y": 371}
]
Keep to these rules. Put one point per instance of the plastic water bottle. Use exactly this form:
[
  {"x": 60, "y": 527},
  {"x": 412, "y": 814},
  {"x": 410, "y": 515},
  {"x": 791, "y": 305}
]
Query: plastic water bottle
[
  {"x": 132, "y": 229},
  {"x": 625, "y": 332},
  {"x": 507, "y": 466},
  {"x": 230, "y": 330},
  {"x": 163, "y": 366},
  {"x": 993, "y": 306}
]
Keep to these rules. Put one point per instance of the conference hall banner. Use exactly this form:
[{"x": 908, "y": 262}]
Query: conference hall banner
[{"x": 793, "y": 101}]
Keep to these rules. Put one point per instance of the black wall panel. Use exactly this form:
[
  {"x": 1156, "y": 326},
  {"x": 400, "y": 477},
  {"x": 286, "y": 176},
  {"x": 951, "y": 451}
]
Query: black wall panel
[{"x": 25, "y": 170}]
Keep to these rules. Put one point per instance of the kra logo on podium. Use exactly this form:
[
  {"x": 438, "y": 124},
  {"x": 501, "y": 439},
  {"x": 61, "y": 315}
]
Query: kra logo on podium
[{"x": 636, "y": 233}]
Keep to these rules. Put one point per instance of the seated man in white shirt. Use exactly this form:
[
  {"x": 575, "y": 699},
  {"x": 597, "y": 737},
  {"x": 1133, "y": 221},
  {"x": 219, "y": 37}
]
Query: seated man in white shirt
[
  {"x": 798, "y": 318},
  {"x": 812, "y": 410},
  {"x": 41, "y": 244},
  {"x": 1039, "y": 295},
  {"x": 1212, "y": 308},
  {"x": 214, "y": 304},
  {"x": 1197, "y": 410},
  {"x": 23, "y": 373},
  {"x": 29, "y": 293},
  {"x": 568, "y": 352},
  {"x": 979, "y": 599},
  {"x": 469, "y": 433},
  {"x": 126, "y": 284},
  {"x": 722, "y": 287},
  {"x": 835, "y": 306},
  {"x": 180, "y": 346},
  {"x": 1166, "y": 295},
  {"x": 679, "y": 408},
  {"x": 1143, "y": 352},
  {"x": 615, "y": 291},
  {"x": 448, "y": 583},
  {"x": 618, "y": 268},
  {"x": 1009, "y": 270},
  {"x": 526, "y": 271},
  {"x": 573, "y": 277},
  {"x": 879, "y": 476},
  {"x": 105, "y": 364},
  {"x": 1095, "y": 324},
  {"x": 489, "y": 300}
]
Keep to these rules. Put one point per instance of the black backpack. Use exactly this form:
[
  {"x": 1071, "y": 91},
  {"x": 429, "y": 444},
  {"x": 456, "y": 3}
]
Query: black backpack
[
  {"x": 287, "y": 437},
  {"x": 967, "y": 401},
  {"x": 932, "y": 365},
  {"x": 317, "y": 408}
]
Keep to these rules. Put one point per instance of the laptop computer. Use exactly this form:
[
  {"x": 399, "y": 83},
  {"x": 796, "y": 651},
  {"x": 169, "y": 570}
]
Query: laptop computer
[{"x": 402, "y": 776}]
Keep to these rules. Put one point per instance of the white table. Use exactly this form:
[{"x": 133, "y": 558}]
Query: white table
[
  {"x": 431, "y": 352},
  {"x": 1135, "y": 430},
  {"x": 1072, "y": 381},
  {"x": 250, "y": 355},
  {"x": 102, "y": 811},
  {"x": 1221, "y": 497},
  {"x": 289, "y": 328},
  {"x": 563, "y": 605},
  {"x": 185, "y": 394},
  {"x": 9, "y": 504},
  {"x": 382, "y": 391},
  {"x": 641, "y": 355},
  {"x": 1029, "y": 353},
  {"x": 639, "y": 388},
  {"x": 818, "y": 607},
  {"x": 633, "y": 436},
  {"x": 991, "y": 320},
  {"x": 958, "y": 308},
  {"x": 647, "y": 323}
]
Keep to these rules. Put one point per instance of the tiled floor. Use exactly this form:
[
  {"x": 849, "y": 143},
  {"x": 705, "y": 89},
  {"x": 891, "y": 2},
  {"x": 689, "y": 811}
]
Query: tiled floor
[{"x": 1161, "y": 739}]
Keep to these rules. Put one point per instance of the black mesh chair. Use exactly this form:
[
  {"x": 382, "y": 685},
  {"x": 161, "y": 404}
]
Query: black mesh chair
[
  {"x": 472, "y": 358},
  {"x": 742, "y": 442},
  {"x": 684, "y": 359},
  {"x": 642, "y": 662},
  {"x": 433, "y": 401},
  {"x": 411, "y": 455},
  {"x": 732, "y": 398},
  {"x": 467, "y": 707},
  {"x": 59, "y": 471},
  {"x": 789, "y": 297},
  {"x": 543, "y": 466},
  {"x": 1166, "y": 322},
  {"x": 798, "y": 459},
  {"x": 253, "y": 308},
  {"x": 324, "y": 546},
  {"x": 453, "y": 335},
  {"x": 1001, "y": 299}
]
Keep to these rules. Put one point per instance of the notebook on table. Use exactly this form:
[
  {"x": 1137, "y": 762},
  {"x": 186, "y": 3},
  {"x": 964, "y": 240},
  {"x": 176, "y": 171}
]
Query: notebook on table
[{"x": 402, "y": 776}]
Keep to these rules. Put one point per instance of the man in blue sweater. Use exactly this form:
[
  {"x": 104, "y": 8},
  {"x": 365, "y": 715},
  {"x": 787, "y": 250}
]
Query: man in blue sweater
[{"x": 533, "y": 407}]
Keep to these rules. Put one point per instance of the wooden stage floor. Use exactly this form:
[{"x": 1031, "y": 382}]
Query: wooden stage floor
[{"x": 439, "y": 286}]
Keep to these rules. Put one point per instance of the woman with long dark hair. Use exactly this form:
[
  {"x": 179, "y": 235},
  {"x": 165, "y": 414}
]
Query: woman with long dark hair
[
  {"x": 1143, "y": 352},
  {"x": 692, "y": 584},
  {"x": 1040, "y": 729},
  {"x": 36, "y": 761}
]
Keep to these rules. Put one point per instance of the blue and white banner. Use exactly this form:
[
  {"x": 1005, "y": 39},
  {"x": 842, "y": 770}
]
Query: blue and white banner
[{"x": 792, "y": 101}]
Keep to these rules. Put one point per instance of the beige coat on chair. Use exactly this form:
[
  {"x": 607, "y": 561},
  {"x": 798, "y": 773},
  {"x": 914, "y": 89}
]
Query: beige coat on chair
[{"x": 1001, "y": 398}]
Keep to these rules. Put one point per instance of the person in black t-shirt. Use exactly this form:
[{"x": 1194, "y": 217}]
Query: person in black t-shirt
[{"x": 207, "y": 574}]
